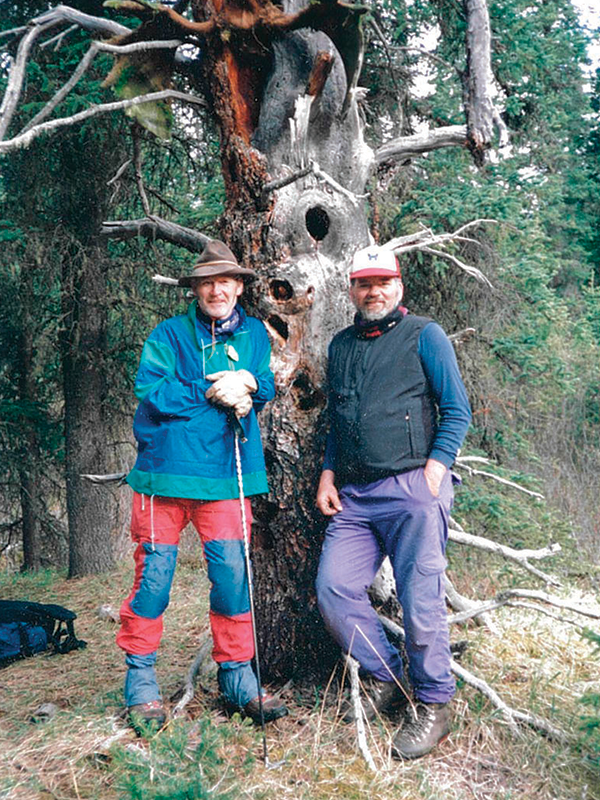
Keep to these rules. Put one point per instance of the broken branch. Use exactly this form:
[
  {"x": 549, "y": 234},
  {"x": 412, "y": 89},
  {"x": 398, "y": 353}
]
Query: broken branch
[
  {"x": 460, "y": 536},
  {"x": 425, "y": 239},
  {"x": 418, "y": 144},
  {"x": 192, "y": 674},
  {"x": 460, "y": 463},
  {"x": 153, "y": 227},
  {"x": 359, "y": 713},
  {"x": 84, "y": 65},
  {"x": 511, "y": 715},
  {"x": 25, "y": 139}
]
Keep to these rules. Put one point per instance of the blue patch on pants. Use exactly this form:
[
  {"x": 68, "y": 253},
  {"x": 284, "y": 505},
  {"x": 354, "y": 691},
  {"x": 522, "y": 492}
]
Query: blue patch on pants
[
  {"x": 152, "y": 597},
  {"x": 227, "y": 573}
]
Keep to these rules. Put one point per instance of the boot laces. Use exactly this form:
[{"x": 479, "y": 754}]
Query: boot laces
[{"x": 420, "y": 727}]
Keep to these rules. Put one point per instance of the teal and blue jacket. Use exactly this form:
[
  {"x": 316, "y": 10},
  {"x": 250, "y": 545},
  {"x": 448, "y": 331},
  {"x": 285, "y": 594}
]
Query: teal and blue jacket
[{"x": 185, "y": 443}]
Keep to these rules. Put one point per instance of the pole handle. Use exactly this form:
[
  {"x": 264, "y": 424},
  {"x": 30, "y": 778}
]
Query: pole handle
[{"x": 237, "y": 427}]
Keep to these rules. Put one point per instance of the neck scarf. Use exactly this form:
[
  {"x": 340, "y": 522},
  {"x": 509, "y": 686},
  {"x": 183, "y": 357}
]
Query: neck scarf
[
  {"x": 219, "y": 328},
  {"x": 370, "y": 329}
]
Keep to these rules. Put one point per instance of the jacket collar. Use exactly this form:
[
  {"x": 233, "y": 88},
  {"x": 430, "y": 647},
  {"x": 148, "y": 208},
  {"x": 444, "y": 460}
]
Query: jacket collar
[{"x": 204, "y": 329}]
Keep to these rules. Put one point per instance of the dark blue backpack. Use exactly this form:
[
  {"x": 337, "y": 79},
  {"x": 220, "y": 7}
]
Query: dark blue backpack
[{"x": 27, "y": 628}]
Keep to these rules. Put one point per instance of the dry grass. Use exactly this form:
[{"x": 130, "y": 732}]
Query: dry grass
[{"x": 536, "y": 663}]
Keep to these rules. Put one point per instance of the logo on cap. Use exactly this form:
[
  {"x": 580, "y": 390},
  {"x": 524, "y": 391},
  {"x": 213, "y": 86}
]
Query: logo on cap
[{"x": 371, "y": 262}]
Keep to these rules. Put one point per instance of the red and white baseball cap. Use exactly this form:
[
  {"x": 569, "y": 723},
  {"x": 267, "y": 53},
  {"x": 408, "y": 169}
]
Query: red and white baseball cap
[{"x": 374, "y": 261}]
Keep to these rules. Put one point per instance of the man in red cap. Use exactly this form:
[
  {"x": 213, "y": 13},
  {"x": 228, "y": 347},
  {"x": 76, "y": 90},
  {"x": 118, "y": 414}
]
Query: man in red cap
[
  {"x": 198, "y": 373},
  {"x": 398, "y": 415}
]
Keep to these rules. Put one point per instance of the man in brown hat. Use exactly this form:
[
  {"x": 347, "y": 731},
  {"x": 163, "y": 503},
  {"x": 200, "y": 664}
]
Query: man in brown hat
[{"x": 200, "y": 375}]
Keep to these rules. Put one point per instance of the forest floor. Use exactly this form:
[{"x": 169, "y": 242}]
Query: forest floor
[{"x": 86, "y": 750}]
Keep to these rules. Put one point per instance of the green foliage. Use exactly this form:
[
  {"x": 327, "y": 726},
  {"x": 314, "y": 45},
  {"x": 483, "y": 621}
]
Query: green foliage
[
  {"x": 532, "y": 367},
  {"x": 590, "y": 722},
  {"x": 184, "y": 763},
  {"x": 50, "y": 220}
]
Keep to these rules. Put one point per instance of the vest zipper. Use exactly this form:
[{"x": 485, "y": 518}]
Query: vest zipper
[{"x": 409, "y": 433}]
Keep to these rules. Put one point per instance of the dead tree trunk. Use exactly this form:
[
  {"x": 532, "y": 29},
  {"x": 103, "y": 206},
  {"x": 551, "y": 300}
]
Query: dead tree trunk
[
  {"x": 295, "y": 167},
  {"x": 282, "y": 83}
]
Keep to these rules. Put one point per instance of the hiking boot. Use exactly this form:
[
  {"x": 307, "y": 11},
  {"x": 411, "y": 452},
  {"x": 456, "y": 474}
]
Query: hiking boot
[
  {"x": 427, "y": 725},
  {"x": 383, "y": 697},
  {"x": 144, "y": 717},
  {"x": 272, "y": 708}
]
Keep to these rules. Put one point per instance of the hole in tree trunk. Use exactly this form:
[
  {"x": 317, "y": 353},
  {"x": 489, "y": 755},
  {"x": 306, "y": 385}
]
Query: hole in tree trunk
[
  {"x": 279, "y": 325},
  {"x": 306, "y": 395},
  {"x": 281, "y": 290},
  {"x": 317, "y": 223}
]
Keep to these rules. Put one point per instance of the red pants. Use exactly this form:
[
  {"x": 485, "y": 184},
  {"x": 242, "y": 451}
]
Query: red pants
[{"x": 156, "y": 523}]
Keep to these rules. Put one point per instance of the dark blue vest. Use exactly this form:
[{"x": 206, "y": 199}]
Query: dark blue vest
[{"x": 382, "y": 411}]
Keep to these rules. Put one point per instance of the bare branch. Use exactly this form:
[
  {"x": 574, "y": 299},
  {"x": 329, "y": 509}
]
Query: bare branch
[
  {"x": 472, "y": 271},
  {"x": 37, "y": 27},
  {"x": 432, "y": 56},
  {"x": 25, "y": 139},
  {"x": 323, "y": 176},
  {"x": 13, "y": 31},
  {"x": 119, "y": 172},
  {"x": 359, "y": 713},
  {"x": 462, "y": 336},
  {"x": 511, "y": 715},
  {"x": 384, "y": 44},
  {"x": 475, "y": 611},
  {"x": 314, "y": 169},
  {"x": 165, "y": 281},
  {"x": 405, "y": 147},
  {"x": 551, "y": 600},
  {"x": 503, "y": 598},
  {"x": 88, "y": 22},
  {"x": 137, "y": 163},
  {"x": 153, "y": 227},
  {"x": 424, "y": 239},
  {"x": 462, "y": 537},
  {"x": 280, "y": 183},
  {"x": 192, "y": 674},
  {"x": 521, "y": 557},
  {"x": 460, "y": 463},
  {"x": 545, "y": 612},
  {"x": 17, "y": 76},
  {"x": 59, "y": 37},
  {"x": 84, "y": 65},
  {"x": 466, "y": 607},
  {"x": 105, "y": 480}
]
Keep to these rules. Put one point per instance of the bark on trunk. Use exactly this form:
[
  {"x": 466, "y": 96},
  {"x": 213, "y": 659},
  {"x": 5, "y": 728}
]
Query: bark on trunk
[
  {"x": 30, "y": 460},
  {"x": 292, "y": 114},
  {"x": 84, "y": 379}
]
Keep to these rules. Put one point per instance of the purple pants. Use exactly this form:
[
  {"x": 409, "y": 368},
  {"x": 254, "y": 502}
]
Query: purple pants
[{"x": 400, "y": 518}]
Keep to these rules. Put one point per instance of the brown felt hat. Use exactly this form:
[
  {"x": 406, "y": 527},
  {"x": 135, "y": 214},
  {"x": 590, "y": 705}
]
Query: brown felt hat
[{"x": 216, "y": 259}]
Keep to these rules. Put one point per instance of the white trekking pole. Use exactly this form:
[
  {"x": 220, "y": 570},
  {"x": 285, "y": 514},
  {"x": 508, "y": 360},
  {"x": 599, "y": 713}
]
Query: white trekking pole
[{"x": 238, "y": 435}]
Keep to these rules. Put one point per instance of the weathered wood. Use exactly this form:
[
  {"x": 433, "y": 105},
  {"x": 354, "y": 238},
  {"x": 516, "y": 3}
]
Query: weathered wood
[
  {"x": 418, "y": 144},
  {"x": 482, "y": 115},
  {"x": 156, "y": 228}
]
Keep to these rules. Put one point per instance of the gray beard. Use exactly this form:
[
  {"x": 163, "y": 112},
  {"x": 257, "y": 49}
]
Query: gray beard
[{"x": 373, "y": 316}]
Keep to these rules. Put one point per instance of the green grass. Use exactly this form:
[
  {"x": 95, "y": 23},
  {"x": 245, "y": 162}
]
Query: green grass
[{"x": 86, "y": 752}]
